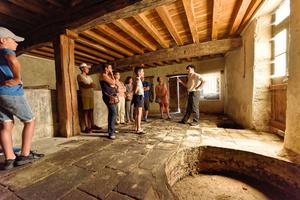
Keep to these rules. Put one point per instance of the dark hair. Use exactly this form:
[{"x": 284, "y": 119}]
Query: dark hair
[
  {"x": 158, "y": 78},
  {"x": 105, "y": 66},
  {"x": 190, "y": 66},
  {"x": 127, "y": 79},
  {"x": 138, "y": 70}
]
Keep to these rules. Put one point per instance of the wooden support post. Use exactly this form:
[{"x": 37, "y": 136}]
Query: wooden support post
[{"x": 67, "y": 105}]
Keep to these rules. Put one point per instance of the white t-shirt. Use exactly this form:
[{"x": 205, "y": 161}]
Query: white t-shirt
[
  {"x": 194, "y": 80},
  {"x": 85, "y": 79}
]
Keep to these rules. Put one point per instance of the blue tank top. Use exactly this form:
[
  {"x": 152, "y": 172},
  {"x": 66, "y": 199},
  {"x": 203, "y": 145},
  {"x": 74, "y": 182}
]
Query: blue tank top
[{"x": 6, "y": 74}]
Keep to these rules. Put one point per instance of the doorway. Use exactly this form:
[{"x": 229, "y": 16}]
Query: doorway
[{"x": 178, "y": 94}]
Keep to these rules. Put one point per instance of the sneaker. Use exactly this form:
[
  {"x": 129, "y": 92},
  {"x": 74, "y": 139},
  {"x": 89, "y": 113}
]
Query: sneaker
[
  {"x": 182, "y": 122},
  {"x": 194, "y": 123},
  {"x": 94, "y": 127},
  {"x": 22, "y": 160},
  {"x": 87, "y": 130},
  {"x": 8, "y": 164},
  {"x": 112, "y": 137}
]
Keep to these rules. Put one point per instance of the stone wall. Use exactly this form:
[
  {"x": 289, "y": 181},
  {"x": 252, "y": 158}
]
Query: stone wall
[
  {"x": 248, "y": 73},
  {"x": 43, "y": 106},
  {"x": 292, "y": 137},
  {"x": 206, "y": 66}
]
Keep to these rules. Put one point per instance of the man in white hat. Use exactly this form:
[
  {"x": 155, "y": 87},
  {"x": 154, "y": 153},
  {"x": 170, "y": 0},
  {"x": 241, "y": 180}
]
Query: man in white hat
[
  {"x": 86, "y": 87},
  {"x": 13, "y": 103}
]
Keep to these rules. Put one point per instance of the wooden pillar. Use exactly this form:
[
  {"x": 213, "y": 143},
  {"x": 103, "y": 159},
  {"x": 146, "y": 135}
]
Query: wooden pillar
[{"x": 67, "y": 106}]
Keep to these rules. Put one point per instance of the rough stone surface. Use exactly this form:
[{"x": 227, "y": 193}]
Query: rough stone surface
[{"x": 146, "y": 166}]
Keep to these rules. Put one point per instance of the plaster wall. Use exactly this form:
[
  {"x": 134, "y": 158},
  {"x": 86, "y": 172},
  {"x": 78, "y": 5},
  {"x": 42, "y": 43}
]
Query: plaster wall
[
  {"x": 206, "y": 66},
  {"x": 292, "y": 135},
  {"x": 248, "y": 77},
  {"x": 239, "y": 80}
]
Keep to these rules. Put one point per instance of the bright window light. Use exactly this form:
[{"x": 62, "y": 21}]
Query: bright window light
[
  {"x": 211, "y": 89},
  {"x": 280, "y": 42},
  {"x": 280, "y": 65},
  {"x": 282, "y": 12}
]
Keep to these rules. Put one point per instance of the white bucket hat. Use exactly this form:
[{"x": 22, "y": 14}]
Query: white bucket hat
[{"x": 5, "y": 33}]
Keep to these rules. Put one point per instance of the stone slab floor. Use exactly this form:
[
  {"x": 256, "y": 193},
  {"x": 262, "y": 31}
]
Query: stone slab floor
[{"x": 94, "y": 167}]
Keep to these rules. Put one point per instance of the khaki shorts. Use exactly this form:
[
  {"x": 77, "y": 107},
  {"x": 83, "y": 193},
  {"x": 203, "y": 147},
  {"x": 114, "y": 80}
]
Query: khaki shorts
[{"x": 87, "y": 103}]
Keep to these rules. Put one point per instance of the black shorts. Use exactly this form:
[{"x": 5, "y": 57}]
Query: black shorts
[
  {"x": 146, "y": 103},
  {"x": 138, "y": 101}
]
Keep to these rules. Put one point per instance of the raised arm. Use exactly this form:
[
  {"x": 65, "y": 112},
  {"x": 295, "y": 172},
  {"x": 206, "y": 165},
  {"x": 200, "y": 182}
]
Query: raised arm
[{"x": 109, "y": 79}]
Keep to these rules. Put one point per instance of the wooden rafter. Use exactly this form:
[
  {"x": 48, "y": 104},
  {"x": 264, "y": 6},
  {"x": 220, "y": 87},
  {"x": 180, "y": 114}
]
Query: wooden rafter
[
  {"x": 217, "y": 6},
  {"x": 93, "y": 52},
  {"x": 189, "y": 11},
  {"x": 98, "y": 47},
  {"x": 33, "y": 6},
  {"x": 127, "y": 28},
  {"x": 241, "y": 10},
  {"x": 167, "y": 20},
  {"x": 250, "y": 11},
  {"x": 191, "y": 50},
  {"x": 89, "y": 56},
  {"x": 106, "y": 42},
  {"x": 22, "y": 15},
  {"x": 118, "y": 37},
  {"x": 148, "y": 26}
]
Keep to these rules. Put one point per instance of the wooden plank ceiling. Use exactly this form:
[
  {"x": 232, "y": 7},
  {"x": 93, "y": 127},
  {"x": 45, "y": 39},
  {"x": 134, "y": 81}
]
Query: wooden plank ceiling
[{"x": 180, "y": 23}]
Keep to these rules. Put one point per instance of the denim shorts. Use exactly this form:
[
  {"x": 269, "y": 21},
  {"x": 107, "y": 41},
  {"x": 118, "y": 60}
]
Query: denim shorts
[
  {"x": 11, "y": 106},
  {"x": 138, "y": 101}
]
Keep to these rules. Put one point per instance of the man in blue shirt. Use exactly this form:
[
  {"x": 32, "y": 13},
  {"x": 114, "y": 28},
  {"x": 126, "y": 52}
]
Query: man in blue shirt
[
  {"x": 147, "y": 93},
  {"x": 13, "y": 102}
]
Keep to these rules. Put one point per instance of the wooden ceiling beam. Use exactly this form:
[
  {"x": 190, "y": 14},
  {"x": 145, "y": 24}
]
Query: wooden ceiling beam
[
  {"x": 254, "y": 5},
  {"x": 102, "y": 13},
  {"x": 86, "y": 60},
  {"x": 43, "y": 53},
  {"x": 217, "y": 7},
  {"x": 106, "y": 42},
  {"x": 89, "y": 56},
  {"x": 118, "y": 37},
  {"x": 127, "y": 28},
  {"x": 150, "y": 28},
  {"x": 39, "y": 55},
  {"x": 191, "y": 50},
  {"x": 98, "y": 47},
  {"x": 239, "y": 15},
  {"x": 167, "y": 20},
  {"x": 33, "y": 6},
  {"x": 189, "y": 11},
  {"x": 93, "y": 52},
  {"x": 16, "y": 12}
]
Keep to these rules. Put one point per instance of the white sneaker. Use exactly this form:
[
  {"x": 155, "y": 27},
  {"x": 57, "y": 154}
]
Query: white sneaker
[
  {"x": 116, "y": 131},
  {"x": 112, "y": 137}
]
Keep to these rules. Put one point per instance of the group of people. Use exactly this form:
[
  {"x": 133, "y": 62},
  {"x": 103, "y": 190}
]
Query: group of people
[{"x": 125, "y": 102}]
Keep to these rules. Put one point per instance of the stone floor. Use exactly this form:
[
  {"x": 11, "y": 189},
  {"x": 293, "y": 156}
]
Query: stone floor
[{"x": 94, "y": 167}]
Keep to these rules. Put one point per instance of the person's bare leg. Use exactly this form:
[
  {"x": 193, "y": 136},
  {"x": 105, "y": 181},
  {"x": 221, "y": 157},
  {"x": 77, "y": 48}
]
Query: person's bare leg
[
  {"x": 27, "y": 135},
  {"x": 168, "y": 112},
  {"x": 136, "y": 118},
  {"x": 85, "y": 117},
  {"x": 161, "y": 111},
  {"x": 139, "y": 118},
  {"x": 6, "y": 140},
  {"x": 91, "y": 113}
]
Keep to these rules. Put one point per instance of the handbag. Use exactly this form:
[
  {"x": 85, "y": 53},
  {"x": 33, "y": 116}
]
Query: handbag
[
  {"x": 157, "y": 99},
  {"x": 113, "y": 99}
]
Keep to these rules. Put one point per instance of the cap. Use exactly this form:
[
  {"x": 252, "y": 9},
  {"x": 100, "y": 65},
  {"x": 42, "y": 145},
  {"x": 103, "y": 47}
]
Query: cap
[
  {"x": 84, "y": 65},
  {"x": 5, "y": 33}
]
